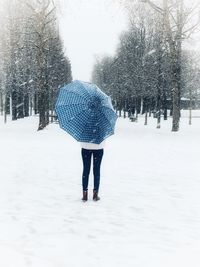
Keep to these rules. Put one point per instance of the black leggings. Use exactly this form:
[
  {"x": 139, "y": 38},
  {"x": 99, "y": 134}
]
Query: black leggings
[{"x": 97, "y": 157}]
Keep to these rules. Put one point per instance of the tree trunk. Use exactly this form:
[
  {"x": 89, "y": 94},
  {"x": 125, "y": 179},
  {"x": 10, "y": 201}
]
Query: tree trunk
[
  {"x": 20, "y": 106},
  {"x": 5, "y": 108},
  {"x": 175, "y": 92},
  {"x": 175, "y": 57},
  {"x": 146, "y": 116},
  {"x": 26, "y": 105},
  {"x": 159, "y": 91},
  {"x": 1, "y": 103},
  {"x": 41, "y": 108},
  {"x": 190, "y": 108},
  {"x": 164, "y": 101},
  {"x": 14, "y": 105},
  {"x": 176, "y": 110},
  {"x": 31, "y": 105},
  {"x": 36, "y": 103}
]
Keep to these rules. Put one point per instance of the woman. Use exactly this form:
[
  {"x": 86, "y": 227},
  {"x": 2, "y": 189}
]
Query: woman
[
  {"x": 86, "y": 113},
  {"x": 89, "y": 151}
]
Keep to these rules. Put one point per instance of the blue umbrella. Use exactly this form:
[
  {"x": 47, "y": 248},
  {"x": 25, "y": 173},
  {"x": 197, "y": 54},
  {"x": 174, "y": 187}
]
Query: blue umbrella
[{"x": 85, "y": 112}]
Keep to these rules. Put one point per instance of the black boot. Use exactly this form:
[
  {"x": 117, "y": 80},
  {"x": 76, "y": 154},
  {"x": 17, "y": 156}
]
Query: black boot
[
  {"x": 85, "y": 196},
  {"x": 95, "y": 195}
]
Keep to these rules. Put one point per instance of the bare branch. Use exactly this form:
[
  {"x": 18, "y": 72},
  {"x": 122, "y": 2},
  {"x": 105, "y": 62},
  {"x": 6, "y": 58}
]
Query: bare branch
[
  {"x": 172, "y": 16},
  {"x": 154, "y": 6},
  {"x": 31, "y": 7},
  {"x": 192, "y": 29},
  {"x": 50, "y": 12}
]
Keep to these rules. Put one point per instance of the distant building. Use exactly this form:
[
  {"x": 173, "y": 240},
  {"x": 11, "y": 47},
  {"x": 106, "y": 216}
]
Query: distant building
[{"x": 185, "y": 103}]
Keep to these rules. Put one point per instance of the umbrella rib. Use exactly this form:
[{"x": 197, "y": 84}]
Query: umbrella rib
[
  {"x": 83, "y": 110},
  {"x": 97, "y": 118},
  {"x": 104, "y": 114},
  {"x": 75, "y": 93},
  {"x": 87, "y": 124},
  {"x": 69, "y": 105},
  {"x": 82, "y": 84},
  {"x": 75, "y": 117}
]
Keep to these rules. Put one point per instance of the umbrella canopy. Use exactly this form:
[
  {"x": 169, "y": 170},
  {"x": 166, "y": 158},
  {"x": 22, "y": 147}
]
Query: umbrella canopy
[{"x": 85, "y": 112}]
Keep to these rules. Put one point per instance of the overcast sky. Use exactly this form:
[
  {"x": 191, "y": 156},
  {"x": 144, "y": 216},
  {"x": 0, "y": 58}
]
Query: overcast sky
[{"x": 90, "y": 28}]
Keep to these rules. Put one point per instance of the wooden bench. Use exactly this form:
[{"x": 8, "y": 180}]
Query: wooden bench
[{"x": 132, "y": 119}]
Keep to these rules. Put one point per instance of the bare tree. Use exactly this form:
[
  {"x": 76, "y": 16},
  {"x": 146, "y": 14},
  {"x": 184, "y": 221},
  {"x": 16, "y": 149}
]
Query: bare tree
[
  {"x": 43, "y": 14},
  {"x": 177, "y": 25}
]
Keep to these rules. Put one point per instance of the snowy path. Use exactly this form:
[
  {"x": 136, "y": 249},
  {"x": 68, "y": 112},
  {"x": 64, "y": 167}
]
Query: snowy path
[{"x": 149, "y": 213}]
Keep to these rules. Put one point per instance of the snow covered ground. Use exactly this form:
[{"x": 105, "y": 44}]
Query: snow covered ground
[{"x": 149, "y": 213}]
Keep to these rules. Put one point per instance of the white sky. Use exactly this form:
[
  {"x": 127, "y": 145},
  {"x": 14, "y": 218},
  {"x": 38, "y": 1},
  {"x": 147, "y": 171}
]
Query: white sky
[{"x": 90, "y": 28}]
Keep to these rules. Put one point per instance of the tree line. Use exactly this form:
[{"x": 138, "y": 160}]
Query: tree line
[
  {"x": 33, "y": 62},
  {"x": 151, "y": 70}
]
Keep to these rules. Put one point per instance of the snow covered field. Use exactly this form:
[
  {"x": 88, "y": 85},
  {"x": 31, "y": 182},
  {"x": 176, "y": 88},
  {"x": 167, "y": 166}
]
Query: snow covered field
[{"x": 149, "y": 213}]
